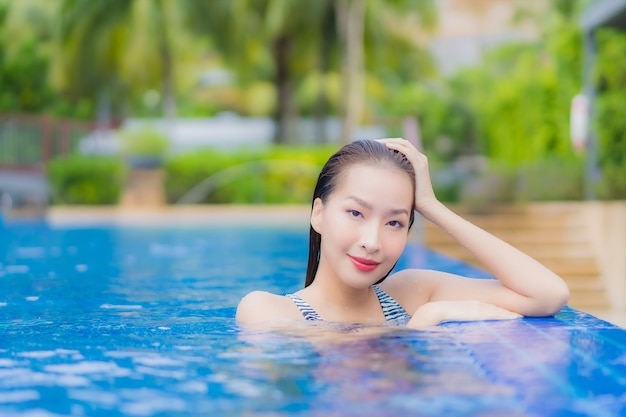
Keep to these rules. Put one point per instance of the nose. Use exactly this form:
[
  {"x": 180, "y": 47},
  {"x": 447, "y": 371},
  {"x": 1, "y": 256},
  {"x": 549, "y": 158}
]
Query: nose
[{"x": 370, "y": 237}]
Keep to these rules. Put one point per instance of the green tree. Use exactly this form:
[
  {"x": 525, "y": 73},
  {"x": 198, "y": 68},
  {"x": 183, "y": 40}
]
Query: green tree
[
  {"x": 90, "y": 52},
  {"x": 377, "y": 21},
  {"x": 447, "y": 123},
  {"x": 113, "y": 47},
  {"x": 271, "y": 39},
  {"x": 289, "y": 40},
  {"x": 521, "y": 93},
  {"x": 611, "y": 116},
  {"x": 25, "y": 37}
]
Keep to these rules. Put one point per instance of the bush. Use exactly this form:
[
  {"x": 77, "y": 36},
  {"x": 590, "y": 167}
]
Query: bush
[
  {"x": 519, "y": 97},
  {"x": 277, "y": 175},
  {"x": 144, "y": 146},
  {"x": 612, "y": 185},
  {"x": 610, "y": 123},
  {"x": 87, "y": 180},
  {"x": 552, "y": 179},
  {"x": 446, "y": 123},
  {"x": 186, "y": 171}
]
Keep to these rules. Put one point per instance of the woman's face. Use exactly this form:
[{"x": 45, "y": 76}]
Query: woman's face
[{"x": 364, "y": 223}]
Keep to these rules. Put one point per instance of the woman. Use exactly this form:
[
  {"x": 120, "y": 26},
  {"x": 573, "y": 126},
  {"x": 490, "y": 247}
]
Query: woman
[{"x": 363, "y": 207}]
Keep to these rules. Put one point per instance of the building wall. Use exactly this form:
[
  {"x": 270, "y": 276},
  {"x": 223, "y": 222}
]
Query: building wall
[{"x": 468, "y": 28}]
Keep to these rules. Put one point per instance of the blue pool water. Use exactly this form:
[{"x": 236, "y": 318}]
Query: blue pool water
[{"x": 120, "y": 321}]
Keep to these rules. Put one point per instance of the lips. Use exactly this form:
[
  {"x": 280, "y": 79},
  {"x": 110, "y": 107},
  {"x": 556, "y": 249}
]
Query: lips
[{"x": 363, "y": 264}]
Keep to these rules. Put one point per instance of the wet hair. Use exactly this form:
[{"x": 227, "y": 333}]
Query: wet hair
[{"x": 368, "y": 152}]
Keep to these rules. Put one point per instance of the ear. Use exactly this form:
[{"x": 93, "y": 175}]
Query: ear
[{"x": 316, "y": 215}]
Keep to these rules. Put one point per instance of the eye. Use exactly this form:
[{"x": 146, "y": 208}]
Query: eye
[
  {"x": 354, "y": 213},
  {"x": 396, "y": 224}
]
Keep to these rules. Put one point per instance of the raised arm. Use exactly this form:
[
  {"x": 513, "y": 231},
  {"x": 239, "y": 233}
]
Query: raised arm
[{"x": 524, "y": 285}]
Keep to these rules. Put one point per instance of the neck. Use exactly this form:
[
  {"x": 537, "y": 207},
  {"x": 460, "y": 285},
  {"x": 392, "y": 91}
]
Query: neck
[
  {"x": 337, "y": 293},
  {"x": 337, "y": 301}
]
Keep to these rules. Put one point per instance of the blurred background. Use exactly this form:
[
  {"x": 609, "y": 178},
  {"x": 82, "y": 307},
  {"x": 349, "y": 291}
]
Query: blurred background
[
  {"x": 165, "y": 103},
  {"x": 92, "y": 91}
]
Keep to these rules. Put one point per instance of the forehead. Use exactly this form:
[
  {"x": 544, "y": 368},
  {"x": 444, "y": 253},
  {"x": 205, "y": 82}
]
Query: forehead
[
  {"x": 364, "y": 171},
  {"x": 376, "y": 182}
]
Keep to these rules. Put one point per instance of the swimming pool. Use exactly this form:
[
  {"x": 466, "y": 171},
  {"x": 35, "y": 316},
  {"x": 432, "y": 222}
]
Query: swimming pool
[{"x": 138, "y": 321}]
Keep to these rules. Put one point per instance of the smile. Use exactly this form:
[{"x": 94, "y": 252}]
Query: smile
[{"x": 362, "y": 264}]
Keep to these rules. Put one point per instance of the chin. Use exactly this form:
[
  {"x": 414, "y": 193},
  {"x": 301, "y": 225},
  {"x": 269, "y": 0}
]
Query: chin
[{"x": 362, "y": 283}]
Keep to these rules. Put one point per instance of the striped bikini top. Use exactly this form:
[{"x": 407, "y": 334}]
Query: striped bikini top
[{"x": 393, "y": 311}]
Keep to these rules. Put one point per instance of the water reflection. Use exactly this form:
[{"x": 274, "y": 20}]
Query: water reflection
[{"x": 359, "y": 370}]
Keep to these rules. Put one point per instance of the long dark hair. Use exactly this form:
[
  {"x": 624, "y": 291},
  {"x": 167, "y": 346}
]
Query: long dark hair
[{"x": 361, "y": 151}]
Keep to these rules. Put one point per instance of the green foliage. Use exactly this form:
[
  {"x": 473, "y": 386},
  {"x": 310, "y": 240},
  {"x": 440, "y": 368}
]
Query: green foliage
[
  {"x": 526, "y": 113},
  {"x": 26, "y": 57},
  {"x": 86, "y": 180},
  {"x": 611, "y": 113},
  {"x": 144, "y": 141},
  {"x": 514, "y": 109},
  {"x": 186, "y": 171},
  {"x": 521, "y": 94},
  {"x": 479, "y": 184},
  {"x": 23, "y": 67},
  {"x": 446, "y": 124},
  {"x": 613, "y": 183},
  {"x": 272, "y": 176}
]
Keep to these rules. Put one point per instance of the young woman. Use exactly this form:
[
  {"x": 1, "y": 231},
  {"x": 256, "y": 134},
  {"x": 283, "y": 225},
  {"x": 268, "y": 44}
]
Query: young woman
[{"x": 363, "y": 206}]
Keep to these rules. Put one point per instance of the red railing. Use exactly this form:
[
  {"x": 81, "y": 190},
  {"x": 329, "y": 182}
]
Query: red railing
[{"x": 28, "y": 142}]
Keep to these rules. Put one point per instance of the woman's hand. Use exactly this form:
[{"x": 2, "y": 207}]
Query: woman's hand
[
  {"x": 424, "y": 194},
  {"x": 435, "y": 312}
]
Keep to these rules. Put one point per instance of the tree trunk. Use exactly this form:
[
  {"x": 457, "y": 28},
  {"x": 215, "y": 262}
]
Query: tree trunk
[
  {"x": 351, "y": 15},
  {"x": 321, "y": 101},
  {"x": 169, "y": 91},
  {"x": 284, "y": 116},
  {"x": 167, "y": 68}
]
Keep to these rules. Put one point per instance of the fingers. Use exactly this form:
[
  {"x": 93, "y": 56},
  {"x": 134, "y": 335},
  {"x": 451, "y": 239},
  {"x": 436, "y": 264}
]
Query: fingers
[
  {"x": 389, "y": 140},
  {"x": 400, "y": 145},
  {"x": 405, "y": 147},
  {"x": 492, "y": 312},
  {"x": 396, "y": 141}
]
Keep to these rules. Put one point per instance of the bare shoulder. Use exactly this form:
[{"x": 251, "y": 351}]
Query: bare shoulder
[
  {"x": 261, "y": 306},
  {"x": 414, "y": 287},
  {"x": 409, "y": 279}
]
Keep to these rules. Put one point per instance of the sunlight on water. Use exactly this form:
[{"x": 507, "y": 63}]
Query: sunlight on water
[{"x": 139, "y": 322}]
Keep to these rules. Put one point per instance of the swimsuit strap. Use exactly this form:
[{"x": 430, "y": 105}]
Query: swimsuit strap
[
  {"x": 305, "y": 308},
  {"x": 391, "y": 308}
]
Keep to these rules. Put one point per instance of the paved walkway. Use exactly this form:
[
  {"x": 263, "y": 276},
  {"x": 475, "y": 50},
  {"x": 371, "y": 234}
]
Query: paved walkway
[{"x": 182, "y": 215}]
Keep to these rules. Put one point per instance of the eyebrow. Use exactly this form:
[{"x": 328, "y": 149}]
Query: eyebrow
[{"x": 368, "y": 206}]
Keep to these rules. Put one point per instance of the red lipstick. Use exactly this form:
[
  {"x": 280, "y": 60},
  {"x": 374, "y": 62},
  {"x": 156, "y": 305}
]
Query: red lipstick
[{"x": 362, "y": 264}]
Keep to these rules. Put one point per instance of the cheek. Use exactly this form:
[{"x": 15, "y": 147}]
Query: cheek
[
  {"x": 335, "y": 234},
  {"x": 338, "y": 229},
  {"x": 396, "y": 244}
]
